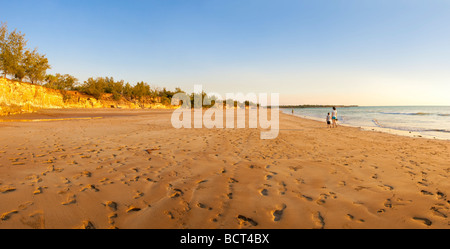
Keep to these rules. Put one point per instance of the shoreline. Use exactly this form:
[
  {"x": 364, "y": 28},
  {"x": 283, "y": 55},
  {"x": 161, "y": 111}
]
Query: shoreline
[
  {"x": 412, "y": 134},
  {"x": 66, "y": 114}
]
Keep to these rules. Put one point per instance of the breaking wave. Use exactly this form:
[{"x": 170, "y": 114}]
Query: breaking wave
[
  {"x": 416, "y": 113},
  {"x": 378, "y": 124}
]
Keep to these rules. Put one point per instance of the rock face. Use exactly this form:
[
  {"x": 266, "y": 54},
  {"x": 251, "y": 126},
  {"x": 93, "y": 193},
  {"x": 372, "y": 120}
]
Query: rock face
[{"x": 18, "y": 97}]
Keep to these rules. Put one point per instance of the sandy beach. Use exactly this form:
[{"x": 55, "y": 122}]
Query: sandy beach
[{"x": 111, "y": 168}]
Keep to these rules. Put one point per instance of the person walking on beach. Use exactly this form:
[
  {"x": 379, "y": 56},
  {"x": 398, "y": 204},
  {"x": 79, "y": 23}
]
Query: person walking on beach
[
  {"x": 334, "y": 117},
  {"x": 328, "y": 120}
]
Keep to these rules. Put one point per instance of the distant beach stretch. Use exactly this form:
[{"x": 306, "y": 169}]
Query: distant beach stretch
[
  {"x": 423, "y": 121},
  {"x": 132, "y": 169}
]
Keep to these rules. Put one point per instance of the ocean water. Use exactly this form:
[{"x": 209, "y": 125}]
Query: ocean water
[{"x": 429, "y": 121}]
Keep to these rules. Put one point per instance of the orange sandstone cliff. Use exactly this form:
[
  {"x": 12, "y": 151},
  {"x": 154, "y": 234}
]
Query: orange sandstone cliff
[{"x": 18, "y": 97}]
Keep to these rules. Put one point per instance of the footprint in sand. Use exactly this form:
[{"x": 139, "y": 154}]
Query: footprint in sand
[
  {"x": 52, "y": 169},
  {"x": 359, "y": 188},
  {"x": 325, "y": 196},
  {"x": 381, "y": 210},
  {"x": 34, "y": 220},
  {"x": 425, "y": 221},
  {"x": 424, "y": 192},
  {"x": 138, "y": 194},
  {"x": 437, "y": 212},
  {"x": 86, "y": 173},
  {"x": 168, "y": 213},
  {"x": 90, "y": 187},
  {"x": 25, "y": 205},
  {"x": 352, "y": 217},
  {"x": 111, "y": 205},
  {"x": 388, "y": 203},
  {"x": 201, "y": 205},
  {"x": 245, "y": 221},
  {"x": 7, "y": 189},
  {"x": 386, "y": 187},
  {"x": 132, "y": 209},
  {"x": 16, "y": 159},
  {"x": 232, "y": 180},
  {"x": 111, "y": 219},
  {"x": 33, "y": 179},
  {"x": 7, "y": 215},
  {"x": 283, "y": 188},
  {"x": 440, "y": 195},
  {"x": 71, "y": 199},
  {"x": 308, "y": 198},
  {"x": 278, "y": 213},
  {"x": 201, "y": 181},
  {"x": 319, "y": 220},
  {"x": 65, "y": 180},
  {"x": 176, "y": 193},
  {"x": 87, "y": 225},
  {"x": 38, "y": 191}
]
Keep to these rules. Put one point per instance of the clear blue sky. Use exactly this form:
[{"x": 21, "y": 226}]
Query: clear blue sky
[{"x": 380, "y": 52}]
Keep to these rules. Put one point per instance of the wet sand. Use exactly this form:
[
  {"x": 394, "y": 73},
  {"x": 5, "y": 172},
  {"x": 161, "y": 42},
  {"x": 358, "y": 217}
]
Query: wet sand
[{"x": 114, "y": 168}]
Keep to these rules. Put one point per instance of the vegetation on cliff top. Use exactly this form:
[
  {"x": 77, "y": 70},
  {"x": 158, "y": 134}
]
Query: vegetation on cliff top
[
  {"x": 25, "y": 65},
  {"x": 17, "y": 60}
]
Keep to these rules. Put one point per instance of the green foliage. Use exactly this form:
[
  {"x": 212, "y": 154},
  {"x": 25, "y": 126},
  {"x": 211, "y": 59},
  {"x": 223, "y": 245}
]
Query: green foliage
[
  {"x": 3, "y": 32},
  {"x": 141, "y": 90},
  {"x": 127, "y": 91},
  {"x": 12, "y": 52},
  {"x": 18, "y": 61},
  {"x": 114, "y": 87},
  {"x": 201, "y": 100},
  {"x": 95, "y": 87},
  {"x": 61, "y": 82},
  {"x": 35, "y": 65}
]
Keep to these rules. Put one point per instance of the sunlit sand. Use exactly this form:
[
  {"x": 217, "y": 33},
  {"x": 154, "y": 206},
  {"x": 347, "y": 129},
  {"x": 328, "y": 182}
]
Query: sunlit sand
[{"x": 132, "y": 169}]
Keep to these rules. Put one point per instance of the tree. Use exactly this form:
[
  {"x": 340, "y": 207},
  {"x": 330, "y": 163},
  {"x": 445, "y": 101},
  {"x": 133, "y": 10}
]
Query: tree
[
  {"x": 114, "y": 87},
  {"x": 18, "y": 61},
  {"x": 140, "y": 90},
  {"x": 61, "y": 82},
  {"x": 127, "y": 91},
  {"x": 178, "y": 90},
  {"x": 95, "y": 87},
  {"x": 3, "y": 36},
  {"x": 35, "y": 66},
  {"x": 12, "y": 52}
]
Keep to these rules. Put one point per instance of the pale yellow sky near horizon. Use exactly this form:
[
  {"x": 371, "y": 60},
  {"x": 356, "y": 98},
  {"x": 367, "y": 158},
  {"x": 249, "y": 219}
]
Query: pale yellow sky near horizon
[{"x": 339, "y": 87}]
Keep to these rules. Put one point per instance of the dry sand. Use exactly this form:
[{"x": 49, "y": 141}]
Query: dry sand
[{"x": 131, "y": 169}]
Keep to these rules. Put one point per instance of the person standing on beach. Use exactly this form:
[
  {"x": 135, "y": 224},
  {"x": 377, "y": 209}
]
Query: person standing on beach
[
  {"x": 334, "y": 117},
  {"x": 328, "y": 120}
]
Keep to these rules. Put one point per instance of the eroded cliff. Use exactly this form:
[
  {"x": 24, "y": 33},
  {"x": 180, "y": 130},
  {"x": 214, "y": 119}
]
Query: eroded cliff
[{"x": 18, "y": 97}]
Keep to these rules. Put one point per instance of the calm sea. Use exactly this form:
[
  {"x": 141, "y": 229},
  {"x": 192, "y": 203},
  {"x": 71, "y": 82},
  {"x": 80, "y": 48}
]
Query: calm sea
[{"x": 431, "y": 121}]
